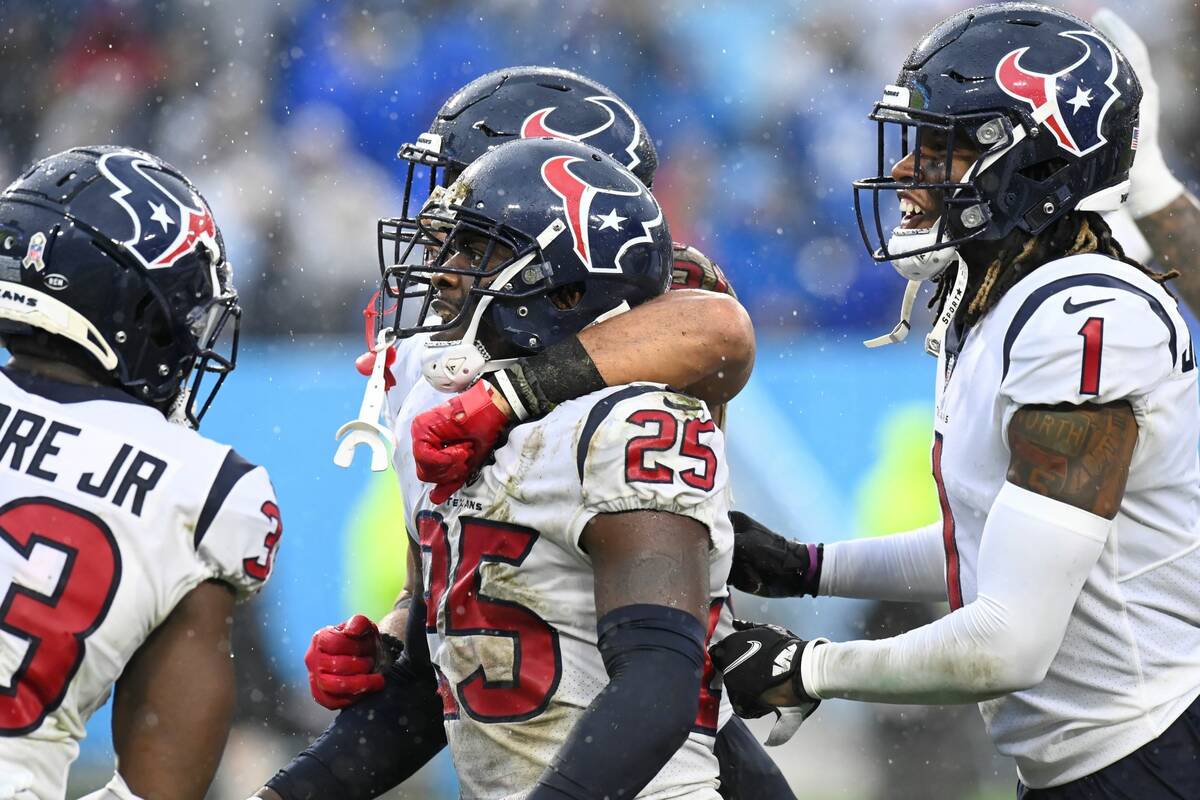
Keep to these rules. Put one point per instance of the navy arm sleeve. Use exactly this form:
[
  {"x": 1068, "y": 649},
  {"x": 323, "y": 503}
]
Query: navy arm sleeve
[
  {"x": 380, "y": 741},
  {"x": 747, "y": 772},
  {"x": 654, "y": 657}
]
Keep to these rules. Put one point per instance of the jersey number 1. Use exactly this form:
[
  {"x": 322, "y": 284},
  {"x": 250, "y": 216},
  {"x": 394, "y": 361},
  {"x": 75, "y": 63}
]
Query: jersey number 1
[{"x": 1093, "y": 339}]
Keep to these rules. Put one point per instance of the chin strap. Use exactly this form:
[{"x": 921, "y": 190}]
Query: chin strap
[
  {"x": 177, "y": 413},
  {"x": 900, "y": 332},
  {"x": 935, "y": 338}
]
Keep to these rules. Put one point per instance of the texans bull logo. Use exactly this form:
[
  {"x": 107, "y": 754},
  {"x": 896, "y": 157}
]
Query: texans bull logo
[
  {"x": 1071, "y": 102},
  {"x": 536, "y": 125},
  {"x": 578, "y": 195},
  {"x": 165, "y": 227}
]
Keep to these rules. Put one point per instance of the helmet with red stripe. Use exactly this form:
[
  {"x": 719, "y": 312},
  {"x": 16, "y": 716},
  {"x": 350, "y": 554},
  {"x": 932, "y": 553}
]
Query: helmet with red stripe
[{"x": 114, "y": 254}]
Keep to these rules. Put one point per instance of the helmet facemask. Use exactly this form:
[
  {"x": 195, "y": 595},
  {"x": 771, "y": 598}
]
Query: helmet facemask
[
  {"x": 216, "y": 346},
  {"x": 427, "y": 169},
  {"x": 493, "y": 262},
  {"x": 961, "y": 206},
  {"x": 934, "y": 141}
]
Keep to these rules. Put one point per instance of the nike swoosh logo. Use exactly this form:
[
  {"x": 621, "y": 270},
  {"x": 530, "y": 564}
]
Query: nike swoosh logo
[
  {"x": 1071, "y": 308},
  {"x": 754, "y": 647}
]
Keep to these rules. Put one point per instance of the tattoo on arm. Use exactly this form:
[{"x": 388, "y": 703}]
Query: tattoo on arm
[
  {"x": 1077, "y": 454},
  {"x": 1173, "y": 233}
]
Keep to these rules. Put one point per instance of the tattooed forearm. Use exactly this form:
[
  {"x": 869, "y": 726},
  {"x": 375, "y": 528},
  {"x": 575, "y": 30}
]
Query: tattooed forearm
[
  {"x": 1173, "y": 233},
  {"x": 1077, "y": 454}
]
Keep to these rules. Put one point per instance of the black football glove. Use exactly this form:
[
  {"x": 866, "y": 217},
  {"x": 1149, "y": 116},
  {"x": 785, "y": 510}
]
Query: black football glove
[
  {"x": 757, "y": 657},
  {"x": 768, "y": 565}
]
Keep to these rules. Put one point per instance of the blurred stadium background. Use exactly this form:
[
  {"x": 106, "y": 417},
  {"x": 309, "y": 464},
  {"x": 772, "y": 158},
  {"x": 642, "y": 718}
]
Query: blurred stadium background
[{"x": 288, "y": 115}]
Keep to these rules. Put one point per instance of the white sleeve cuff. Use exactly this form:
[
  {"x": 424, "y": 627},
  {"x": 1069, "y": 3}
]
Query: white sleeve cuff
[{"x": 903, "y": 566}]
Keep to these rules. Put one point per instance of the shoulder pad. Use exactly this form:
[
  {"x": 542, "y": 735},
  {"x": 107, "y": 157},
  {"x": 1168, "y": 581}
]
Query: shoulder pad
[
  {"x": 645, "y": 447},
  {"x": 1091, "y": 337}
]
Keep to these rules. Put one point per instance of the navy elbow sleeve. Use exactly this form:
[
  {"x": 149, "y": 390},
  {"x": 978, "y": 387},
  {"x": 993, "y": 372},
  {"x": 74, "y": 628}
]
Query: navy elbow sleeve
[{"x": 654, "y": 657}]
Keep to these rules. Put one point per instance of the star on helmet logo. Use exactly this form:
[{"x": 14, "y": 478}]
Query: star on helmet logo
[
  {"x": 1082, "y": 99},
  {"x": 611, "y": 220},
  {"x": 161, "y": 216}
]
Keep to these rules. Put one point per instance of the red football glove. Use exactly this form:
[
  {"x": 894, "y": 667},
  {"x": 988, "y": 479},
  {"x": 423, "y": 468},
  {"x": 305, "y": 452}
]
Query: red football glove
[
  {"x": 342, "y": 660},
  {"x": 452, "y": 440}
]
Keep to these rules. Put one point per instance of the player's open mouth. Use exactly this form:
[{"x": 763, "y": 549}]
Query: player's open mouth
[
  {"x": 913, "y": 216},
  {"x": 446, "y": 310}
]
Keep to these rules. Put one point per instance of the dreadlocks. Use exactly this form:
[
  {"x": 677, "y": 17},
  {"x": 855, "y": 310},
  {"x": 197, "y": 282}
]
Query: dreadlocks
[{"x": 1073, "y": 234}]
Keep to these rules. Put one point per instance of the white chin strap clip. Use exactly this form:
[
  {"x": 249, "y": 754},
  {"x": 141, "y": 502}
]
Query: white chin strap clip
[
  {"x": 900, "y": 332},
  {"x": 177, "y": 413},
  {"x": 365, "y": 429},
  {"x": 935, "y": 338}
]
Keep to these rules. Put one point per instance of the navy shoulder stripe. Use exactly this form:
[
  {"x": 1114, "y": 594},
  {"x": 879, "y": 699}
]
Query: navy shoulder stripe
[
  {"x": 231, "y": 471},
  {"x": 597, "y": 415},
  {"x": 1039, "y": 296},
  {"x": 62, "y": 392}
]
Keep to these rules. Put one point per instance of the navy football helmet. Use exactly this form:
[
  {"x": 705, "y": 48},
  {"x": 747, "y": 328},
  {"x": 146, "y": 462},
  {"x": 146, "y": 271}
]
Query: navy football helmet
[
  {"x": 1043, "y": 106},
  {"x": 534, "y": 241},
  {"x": 509, "y": 104},
  {"x": 115, "y": 251}
]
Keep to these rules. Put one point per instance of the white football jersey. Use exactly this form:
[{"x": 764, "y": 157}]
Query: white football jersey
[
  {"x": 109, "y": 516},
  {"x": 1086, "y": 329},
  {"x": 510, "y": 594}
]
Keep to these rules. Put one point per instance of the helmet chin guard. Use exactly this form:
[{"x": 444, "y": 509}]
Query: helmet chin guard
[{"x": 927, "y": 261}]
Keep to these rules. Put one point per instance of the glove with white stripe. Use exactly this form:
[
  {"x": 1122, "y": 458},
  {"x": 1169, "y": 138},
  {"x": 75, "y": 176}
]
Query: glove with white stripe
[{"x": 756, "y": 659}]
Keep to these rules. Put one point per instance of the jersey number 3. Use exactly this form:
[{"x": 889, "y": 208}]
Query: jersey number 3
[{"x": 57, "y": 583}]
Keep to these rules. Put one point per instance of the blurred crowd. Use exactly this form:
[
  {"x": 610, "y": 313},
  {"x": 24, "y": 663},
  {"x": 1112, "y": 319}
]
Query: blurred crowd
[{"x": 288, "y": 116}]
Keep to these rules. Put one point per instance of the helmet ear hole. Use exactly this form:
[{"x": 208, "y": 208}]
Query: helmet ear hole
[
  {"x": 1043, "y": 170},
  {"x": 148, "y": 314},
  {"x": 567, "y": 297}
]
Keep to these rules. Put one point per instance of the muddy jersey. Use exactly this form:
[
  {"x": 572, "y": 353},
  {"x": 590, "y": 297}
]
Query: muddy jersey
[
  {"x": 1086, "y": 329},
  {"x": 510, "y": 594},
  {"x": 109, "y": 516}
]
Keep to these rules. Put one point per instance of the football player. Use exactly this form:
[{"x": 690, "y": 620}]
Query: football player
[
  {"x": 569, "y": 587},
  {"x": 125, "y": 536},
  {"x": 1166, "y": 214},
  {"x": 1065, "y": 448},
  {"x": 703, "y": 338}
]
